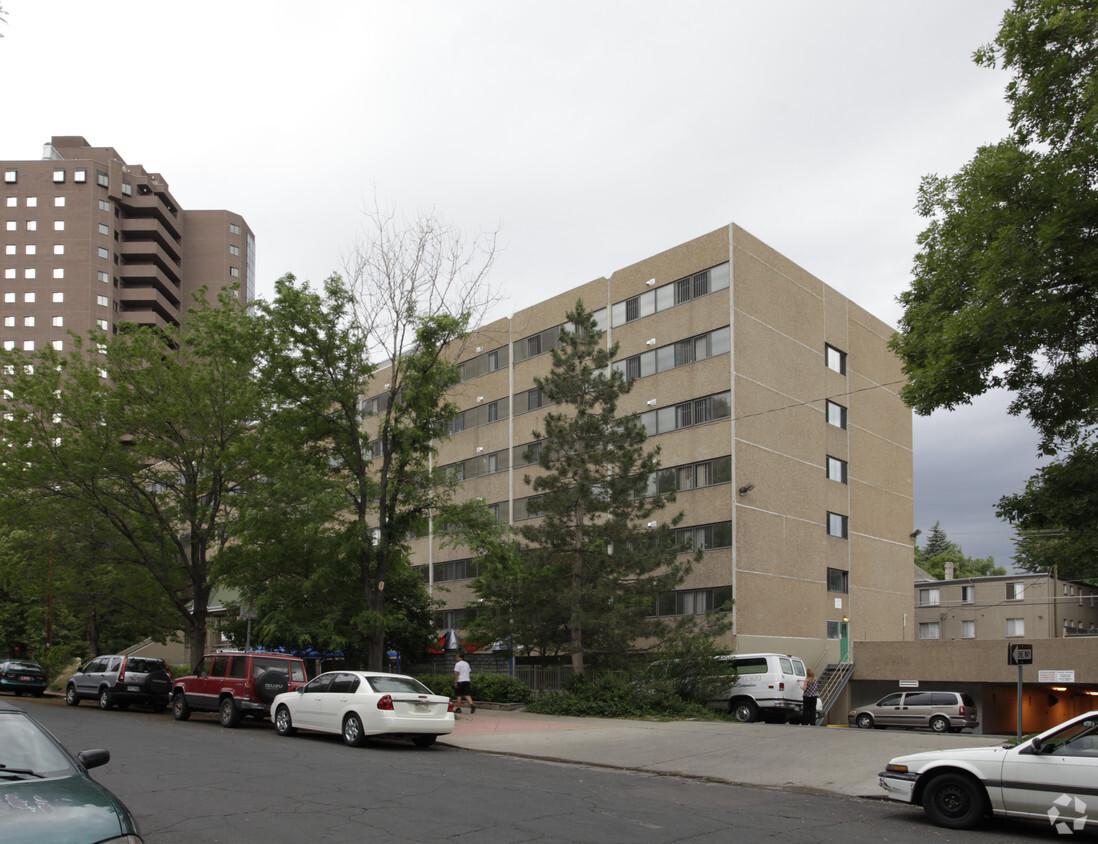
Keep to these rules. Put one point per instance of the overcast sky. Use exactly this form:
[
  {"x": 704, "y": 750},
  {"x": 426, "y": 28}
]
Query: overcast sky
[{"x": 592, "y": 134}]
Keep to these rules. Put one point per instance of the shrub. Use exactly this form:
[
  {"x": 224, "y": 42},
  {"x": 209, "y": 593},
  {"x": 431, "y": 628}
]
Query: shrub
[
  {"x": 496, "y": 688},
  {"x": 614, "y": 695}
]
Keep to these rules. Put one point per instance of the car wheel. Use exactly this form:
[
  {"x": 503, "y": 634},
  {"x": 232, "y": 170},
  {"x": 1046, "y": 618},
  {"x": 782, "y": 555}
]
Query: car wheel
[
  {"x": 227, "y": 713},
  {"x": 71, "y": 698},
  {"x": 864, "y": 720},
  {"x": 744, "y": 711},
  {"x": 954, "y": 801},
  {"x": 105, "y": 701},
  {"x": 939, "y": 724},
  {"x": 181, "y": 710},
  {"x": 283, "y": 724},
  {"x": 353, "y": 734},
  {"x": 423, "y": 741}
]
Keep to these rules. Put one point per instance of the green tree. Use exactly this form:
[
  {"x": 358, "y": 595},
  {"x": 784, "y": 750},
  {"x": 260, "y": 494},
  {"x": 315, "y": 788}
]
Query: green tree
[
  {"x": 939, "y": 550},
  {"x": 588, "y": 573},
  {"x": 325, "y": 556},
  {"x": 1054, "y": 517},
  {"x": 1004, "y": 281},
  {"x": 143, "y": 437}
]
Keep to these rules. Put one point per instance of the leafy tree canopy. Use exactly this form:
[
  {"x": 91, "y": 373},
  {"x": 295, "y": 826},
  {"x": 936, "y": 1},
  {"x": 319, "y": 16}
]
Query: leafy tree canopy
[
  {"x": 1004, "y": 291},
  {"x": 939, "y": 550}
]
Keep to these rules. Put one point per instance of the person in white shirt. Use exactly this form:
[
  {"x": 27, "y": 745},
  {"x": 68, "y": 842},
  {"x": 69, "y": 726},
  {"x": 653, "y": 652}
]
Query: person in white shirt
[{"x": 463, "y": 685}]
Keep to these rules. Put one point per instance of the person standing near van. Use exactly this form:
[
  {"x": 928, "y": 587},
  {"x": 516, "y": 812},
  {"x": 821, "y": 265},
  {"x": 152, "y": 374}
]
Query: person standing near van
[
  {"x": 463, "y": 684},
  {"x": 811, "y": 698}
]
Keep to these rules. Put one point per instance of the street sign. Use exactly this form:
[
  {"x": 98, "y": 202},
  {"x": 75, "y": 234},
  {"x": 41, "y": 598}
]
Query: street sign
[
  {"x": 1056, "y": 676},
  {"x": 1019, "y": 654}
]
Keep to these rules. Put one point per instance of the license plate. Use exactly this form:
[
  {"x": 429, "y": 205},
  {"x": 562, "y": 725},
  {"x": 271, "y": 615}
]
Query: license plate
[
  {"x": 26, "y": 679},
  {"x": 133, "y": 688},
  {"x": 423, "y": 707}
]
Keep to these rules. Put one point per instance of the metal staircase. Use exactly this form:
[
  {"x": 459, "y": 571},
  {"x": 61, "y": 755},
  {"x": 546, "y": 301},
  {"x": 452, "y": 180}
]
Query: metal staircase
[{"x": 831, "y": 684}]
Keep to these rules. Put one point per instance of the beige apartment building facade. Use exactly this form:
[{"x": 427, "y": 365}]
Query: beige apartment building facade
[
  {"x": 774, "y": 401},
  {"x": 90, "y": 241}
]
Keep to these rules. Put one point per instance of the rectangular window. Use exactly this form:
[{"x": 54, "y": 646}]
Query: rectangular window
[
  {"x": 234, "y": 250},
  {"x": 968, "y": 594},
  {"x": 836, "y": 414},
  {"x": 11, "y": 176},
  {"x": 929, "y": 597},
  {"x": 838, "y": 581},
  {"x": 58, "y": 322},
  {"x": 59, "y": 249},
  {"x": 836, "y": 469},
  {"x": 1015, "y": 591},
  {"x": 968, "y": 629},
  {"x": 79, "y": 175},
  {"x": 836, "y": 360},
  {"x": 234, "y": 272},
  {"x": 103, "y": 277},
  {"x": 836, "y": 525},
  {"x": 234, "y": 228},
  {"x": 102, "y": 301},
  {"x": 1016, "y": 627},
  {"x": 104, "y": 229},
  {"x": 929, "y": 630},
  {"x": 58, "y": 202},
  {"x": 127, "y": 188},
  {"x": 104, "y": 253},
  {"x": 101, "y": 179},
  {"x": 58, "y": 225},
  {"x": 58, "y": 175}
]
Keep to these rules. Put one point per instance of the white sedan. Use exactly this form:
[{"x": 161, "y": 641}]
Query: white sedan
[
  {"x": 358, "y": 704},
  {"x": 1052, "y": 777}
]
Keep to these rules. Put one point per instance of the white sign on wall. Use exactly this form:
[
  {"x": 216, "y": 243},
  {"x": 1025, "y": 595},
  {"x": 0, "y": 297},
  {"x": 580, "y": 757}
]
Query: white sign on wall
[{"x": 1055, "y": 676}]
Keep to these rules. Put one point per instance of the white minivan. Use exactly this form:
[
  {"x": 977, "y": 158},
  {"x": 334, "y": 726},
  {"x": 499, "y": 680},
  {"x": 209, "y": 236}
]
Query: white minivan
[{"x": 766, "y": 685}]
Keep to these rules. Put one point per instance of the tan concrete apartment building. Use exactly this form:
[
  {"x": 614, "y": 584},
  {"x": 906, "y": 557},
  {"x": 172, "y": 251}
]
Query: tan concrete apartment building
[
  {"x": 774, "y": 400},
  {"x": 90, "y": 241}
]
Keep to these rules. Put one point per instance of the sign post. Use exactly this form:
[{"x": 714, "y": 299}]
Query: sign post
[{"x": 1019, "y": 654}]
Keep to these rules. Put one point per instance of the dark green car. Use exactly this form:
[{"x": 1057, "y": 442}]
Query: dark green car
[{"x": 46, "y": 795}]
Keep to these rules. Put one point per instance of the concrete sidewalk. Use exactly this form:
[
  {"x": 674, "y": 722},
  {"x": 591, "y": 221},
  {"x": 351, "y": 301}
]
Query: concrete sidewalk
[{"x": 838, "y": 760}]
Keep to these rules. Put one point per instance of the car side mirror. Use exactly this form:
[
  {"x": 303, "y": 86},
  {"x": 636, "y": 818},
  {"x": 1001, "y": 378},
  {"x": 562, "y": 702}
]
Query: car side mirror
[
  {"x": 93, "y": 758},
  {"x": 300, "y": 690}
]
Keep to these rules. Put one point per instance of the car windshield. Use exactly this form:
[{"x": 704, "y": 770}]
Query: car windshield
[
  {"x": 24, "y": 747},
  {"x": 398, "y": 684}
]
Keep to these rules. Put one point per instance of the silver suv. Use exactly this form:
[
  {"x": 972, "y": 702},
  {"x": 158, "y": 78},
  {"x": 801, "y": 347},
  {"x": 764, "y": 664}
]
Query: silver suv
[
  {"x": 117, "y": 680},
  {"x": 940, "y": 711}
]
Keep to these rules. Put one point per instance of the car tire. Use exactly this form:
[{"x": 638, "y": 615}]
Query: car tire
[
  {"x": 270, "y": 684},
  {"x": 423, "y": 741},
  {"x": 954, "y": 801},
  {"x": 181, "y": 710},
  {"x": 158, "y": 683},
  {"x": 353, "y": 733},
  {"x": 284, "y": 725},
  {"x": 71, "y": 697},
  {"x": 227, "y": 713},
  {"x": 939, "y": 724},
  {"x": 864, "y": 720},
  {"x": 744, "y": 711},
  {"x": 105, "y": 700}
]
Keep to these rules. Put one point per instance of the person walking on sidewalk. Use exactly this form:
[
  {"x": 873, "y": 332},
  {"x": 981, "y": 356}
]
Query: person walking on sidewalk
[
  {"x": 811, "y": 698},
  {"x": 463, "y": 684}
]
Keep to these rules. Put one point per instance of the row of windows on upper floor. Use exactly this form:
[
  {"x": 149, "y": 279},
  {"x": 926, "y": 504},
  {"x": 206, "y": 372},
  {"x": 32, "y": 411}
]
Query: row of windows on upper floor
[
  {"x": 79, "y": 175},
  {"x": 661, "y": 298},
  {"x": 1015, "y": 590}
]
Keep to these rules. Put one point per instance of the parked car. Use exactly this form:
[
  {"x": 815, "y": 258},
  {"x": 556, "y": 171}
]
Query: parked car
[
  {"x": 47, "y": 793},
  {"x": 1049, "y": 777},
  {"x": 941, "y": 711},
  {"x": 22, "y": 677},
  {"x": 236, "y": 683},
  {"x": 118, "y": 680},
  {"x": 358, "y": 704},
  {"x": 766, "y": 685}
]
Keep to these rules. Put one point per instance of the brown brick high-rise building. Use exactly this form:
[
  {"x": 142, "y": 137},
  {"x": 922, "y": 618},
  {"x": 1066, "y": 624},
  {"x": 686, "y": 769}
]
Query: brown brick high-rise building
[{"x": 91, "y": 241}]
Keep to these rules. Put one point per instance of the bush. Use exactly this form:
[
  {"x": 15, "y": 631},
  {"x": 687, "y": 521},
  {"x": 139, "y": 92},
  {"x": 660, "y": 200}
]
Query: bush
[
  {"x": 496, "y": 688},
  {"x": 613, "y": 695}
]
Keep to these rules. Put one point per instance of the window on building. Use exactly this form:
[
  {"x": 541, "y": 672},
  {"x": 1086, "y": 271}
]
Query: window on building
[
  {"x": 59, "y": 249},
  {"x": 31, "y": 249},
  {"x": 127, "y": 188},
  {"x": 11, "y": 176},
  {"x": 930, "y": 630},
  {"x": 28, "y": 322},
  {"x": 836, "y": 360},
  {"x": 104, "y": 253},
  {"x": 58, "y": 225},
  {"x": 80, "y": 175},
  {"x": 837, "y": 525},
  {"x": 104, "y": 205},
  {"x": 836, "y": 414},
  {"x": 694, "y": 601},
  {"x": 102, "y": 301},
  {"x": 101, "y": 179},
  {"x": 32, "y": 201},
  {"x": 968, "y": 629},
  {"x": 32, "y": 225},
  {"x": 930, "y": 597},
  {"x": 58, "y": 272},
  {"x": 58, "y": 322},
  {"x": 234, "y": 250},
  {"x": 968, "y": 594},
  {"x": 103, "y": 276},
  {"x": 58, "y": 175},
  {"x": 11, "y": 226},
  {"x": 104, "y": 229},
  {"x": 234, "y": 228},
  {"x": 1015, "y": 591},
  {"x": 12, "y": 201},
  {"x": 836, "y": 469},
  {"x": 58, "y": 202},
  {"x": 1016, "y": 627},
  {"x": 234, "y": 272},
  {"x": 838, "y": 581},
  {"x": 30, "y": 272}
]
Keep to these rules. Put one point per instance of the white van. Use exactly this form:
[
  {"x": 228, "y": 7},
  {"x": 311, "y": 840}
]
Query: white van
[{"x": 766, "y": 685}]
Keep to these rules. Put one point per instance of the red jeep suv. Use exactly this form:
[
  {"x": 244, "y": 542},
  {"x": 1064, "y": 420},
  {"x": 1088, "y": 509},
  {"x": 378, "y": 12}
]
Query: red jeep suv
[{"x": 235, "y": 684}]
